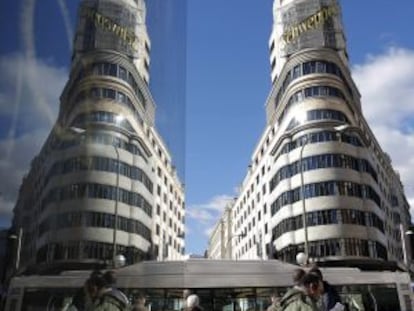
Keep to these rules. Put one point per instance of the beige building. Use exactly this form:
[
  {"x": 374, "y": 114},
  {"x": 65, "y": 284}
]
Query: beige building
[
  {"x": 220, "y": 241},
  {"x": 104, "y": 183},
  {"x": 318, "y": 181}
]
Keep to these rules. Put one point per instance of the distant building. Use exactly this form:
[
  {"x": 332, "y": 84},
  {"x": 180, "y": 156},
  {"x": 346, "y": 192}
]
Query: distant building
[
  {"x": 104, "y": 182},
  {"x": 318, "y": 181},
  {"x": 193, "y": 256},
  {"x": 220, "y": 244}
]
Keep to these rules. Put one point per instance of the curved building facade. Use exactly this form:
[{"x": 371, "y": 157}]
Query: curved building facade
[
  {"x": 104, "y": 183},
  {"x": 318, "y": 181}
]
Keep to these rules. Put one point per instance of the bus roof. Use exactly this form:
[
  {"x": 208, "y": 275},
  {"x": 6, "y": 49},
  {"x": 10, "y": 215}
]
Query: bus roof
[{"x": 206, "y": 273}]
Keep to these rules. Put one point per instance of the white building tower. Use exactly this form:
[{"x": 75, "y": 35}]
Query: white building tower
[
  {"x": 103, "y": 184},
  {"x": 318, "y": 181}
]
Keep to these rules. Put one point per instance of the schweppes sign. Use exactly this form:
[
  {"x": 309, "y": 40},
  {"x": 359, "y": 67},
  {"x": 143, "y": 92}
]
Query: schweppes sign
[
  {"x": 311, "y": 22},
  {"x": 109, "y": 25}
]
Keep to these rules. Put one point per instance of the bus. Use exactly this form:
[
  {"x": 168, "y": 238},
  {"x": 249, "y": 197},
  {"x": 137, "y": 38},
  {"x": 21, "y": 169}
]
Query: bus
[{"x": 222, "y": 285}]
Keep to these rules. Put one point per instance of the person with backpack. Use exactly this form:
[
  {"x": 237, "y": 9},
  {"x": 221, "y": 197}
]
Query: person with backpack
[
  {"x": 304, "y": 296},
  {"x": 84, "y": 296},
  {"x": 108, "y": 297},
  {"x": 297, "y": 276},
  {"x": 330, "y": 298}
]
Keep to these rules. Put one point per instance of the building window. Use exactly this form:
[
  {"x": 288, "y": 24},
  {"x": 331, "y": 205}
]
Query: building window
[
  {"x": 94, "y": 219},
  {"x": 318, "y": 114},
  {"x": 327, "y": 217},
  {"x": 327, "y": 188},
  {"x": 99, "y": 164},
  {"x": 322, "y": 161},
  {"x": 97, "y": 191}
]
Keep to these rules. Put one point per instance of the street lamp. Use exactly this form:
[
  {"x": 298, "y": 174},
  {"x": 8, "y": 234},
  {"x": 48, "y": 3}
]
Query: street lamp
[
  {"x": 119, "y": 261},
  {"x": 302, "y": 192},
  {"x": 338, "y": 129},
  {"x": 79, "y": 131},
  {"x": 17, "y": 237},
  {"x": 118, "y": 119},
  {"x": 114, "y": 256},
  {"x": 403, "y": 242},
  {"x": 301, "y": 259}
]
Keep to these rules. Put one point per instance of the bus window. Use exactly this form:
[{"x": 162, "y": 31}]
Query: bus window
[
  {"x": 382, "y": 297},
  {"x": 46, "y": 298},
  {"x": 155, "y": 299},
  {"x": 386, "y": 297},
  {"x": 159, "y": 299},
  {"x": 263, "y": 296},
  {"x": 351, "y": 297},
  {"x": 242, "y": 299},
  {"x": 174, "y": 299}
]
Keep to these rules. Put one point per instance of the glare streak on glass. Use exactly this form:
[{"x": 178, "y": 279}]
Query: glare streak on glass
[
  {"x": 16, "y": 106},
  {"x": 66, "y": 20},
  {"x": 28, "y": 41}
]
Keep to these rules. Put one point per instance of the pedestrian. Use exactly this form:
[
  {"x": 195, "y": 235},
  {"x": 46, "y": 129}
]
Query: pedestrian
[
  {"x": 186, "y": 293},
  {"x": 330, "y": 297},
  {"x": 297, "y": 276},
  {"x": 139, "y": 302},
  {"x": 83, "y": 298},
  {"x": 275, "y": 302},
  {"x": 304, "y": 296},
  {"x": 193, "y": 303},
  {"x": 108, "y": 298},
  {"x": 110, "y": 279},
  {"x": 79, "y": 300}
]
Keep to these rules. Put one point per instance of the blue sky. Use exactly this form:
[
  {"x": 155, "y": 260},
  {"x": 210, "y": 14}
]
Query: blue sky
[{"x": 228, "y": 80}]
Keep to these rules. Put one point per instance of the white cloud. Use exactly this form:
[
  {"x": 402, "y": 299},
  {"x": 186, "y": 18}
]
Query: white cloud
[
  {"x": 209, "y": 231},
  {"x": 210, "y": 211},
  {"x": 33, "y": 86},
  {"x": 216, "y": 203},
  {"x": 200, "y": 215},
  {"x": 187, "y": 230},
  {"x": 386, "y": 83},
  {"x": 29, "y": 102},
  {"x": 206, "y": 215}
]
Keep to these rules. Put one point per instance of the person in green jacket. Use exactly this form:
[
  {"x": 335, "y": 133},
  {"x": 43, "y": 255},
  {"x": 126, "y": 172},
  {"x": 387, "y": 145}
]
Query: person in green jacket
[
  {"x": 108, "y": 297},
  {"x": 303, "y": 297},
  {"x": 110, "y": 302}
]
